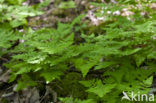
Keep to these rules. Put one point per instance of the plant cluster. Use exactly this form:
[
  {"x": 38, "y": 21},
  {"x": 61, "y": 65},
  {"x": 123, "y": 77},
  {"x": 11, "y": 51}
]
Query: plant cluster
[{"x": 93, "y": 64}]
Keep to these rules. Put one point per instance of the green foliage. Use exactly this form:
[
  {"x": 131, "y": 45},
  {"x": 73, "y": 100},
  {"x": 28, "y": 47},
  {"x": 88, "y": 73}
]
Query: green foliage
[
  {"x": 15, "y": 2},
  {"x": 16, "y": 15},
  {"x": 12, "y": 16},
  {"x": 66, "y": 5},
  {"x": 117, "y": 56}
]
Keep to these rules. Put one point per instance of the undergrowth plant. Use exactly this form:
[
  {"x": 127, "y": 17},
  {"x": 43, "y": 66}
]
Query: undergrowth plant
[
  {"x": 12, "y": 16},
  {"x": 115, "y": 56}
]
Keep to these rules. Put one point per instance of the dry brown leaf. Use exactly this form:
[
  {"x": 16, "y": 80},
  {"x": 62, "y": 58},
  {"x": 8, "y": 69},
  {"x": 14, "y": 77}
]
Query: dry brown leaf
[{"x": 5, "y": 76}]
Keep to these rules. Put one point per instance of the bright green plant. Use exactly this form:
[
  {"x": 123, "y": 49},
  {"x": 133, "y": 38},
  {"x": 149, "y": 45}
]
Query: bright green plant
[
  {"x": 119, "y": 55},
  {"x": 11, "y": 17}
]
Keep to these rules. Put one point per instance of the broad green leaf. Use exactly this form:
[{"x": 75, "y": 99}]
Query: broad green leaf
[
  {"x": 101, "y": 89},
  {"x": 148, "y": 81}
]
